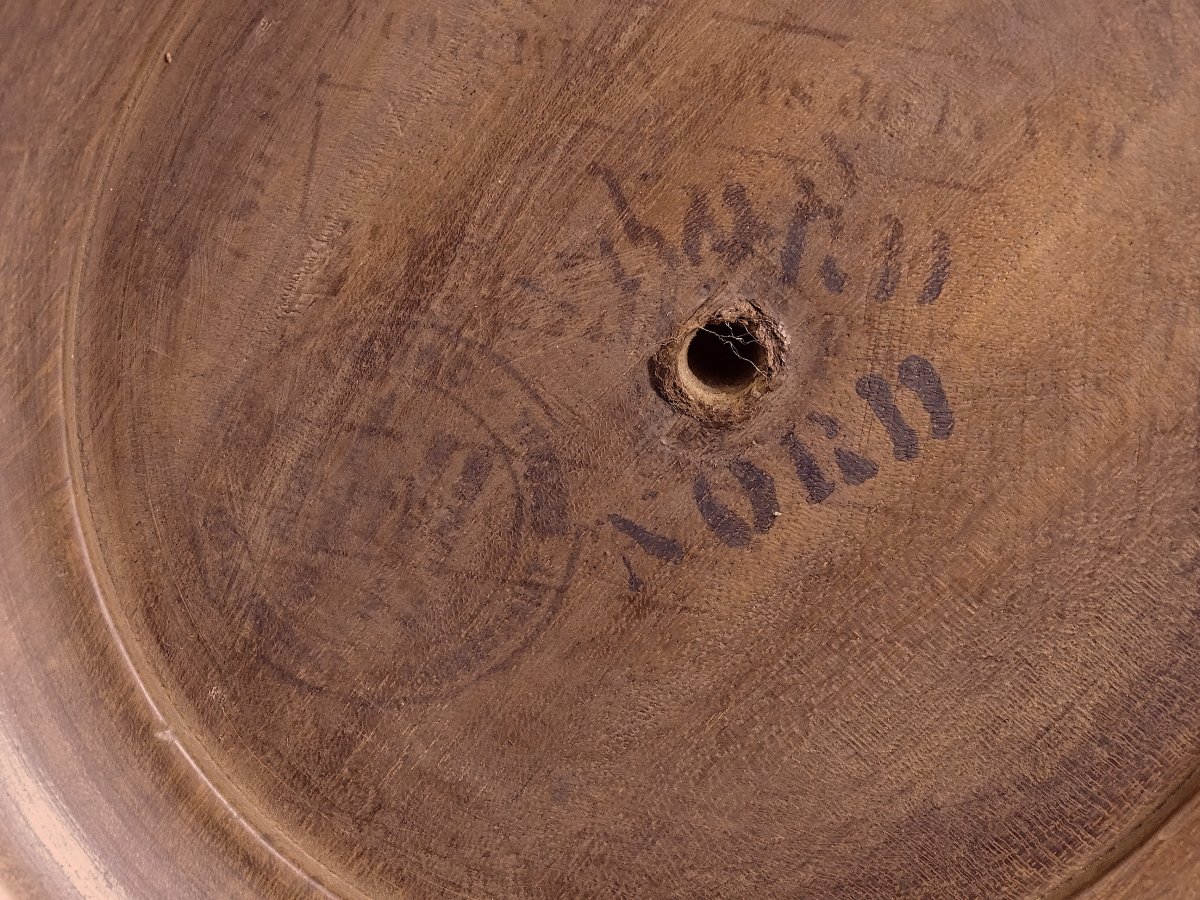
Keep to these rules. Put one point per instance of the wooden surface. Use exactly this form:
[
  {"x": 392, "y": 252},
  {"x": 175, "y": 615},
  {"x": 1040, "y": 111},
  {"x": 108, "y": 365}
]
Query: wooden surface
[{"x": 370, "y": 526}]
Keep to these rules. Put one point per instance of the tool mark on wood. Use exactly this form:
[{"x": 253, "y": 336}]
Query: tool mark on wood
[{"x": 786, "y": 27}]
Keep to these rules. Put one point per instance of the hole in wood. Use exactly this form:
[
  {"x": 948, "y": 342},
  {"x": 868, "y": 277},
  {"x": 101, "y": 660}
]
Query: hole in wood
[
  {"x": 721, "y": 363},
  {"x": 725, "y": 356}
]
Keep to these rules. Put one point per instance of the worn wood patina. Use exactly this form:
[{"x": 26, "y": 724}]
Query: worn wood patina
[{"x": 607, "y": 450}]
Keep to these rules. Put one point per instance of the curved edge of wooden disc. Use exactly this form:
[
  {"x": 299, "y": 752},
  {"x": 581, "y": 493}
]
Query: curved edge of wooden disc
[{"x": 97, "y": 796}]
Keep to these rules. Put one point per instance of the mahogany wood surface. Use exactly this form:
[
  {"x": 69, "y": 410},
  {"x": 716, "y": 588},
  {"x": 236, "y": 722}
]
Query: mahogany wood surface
[{"x": 606, "y": 450}]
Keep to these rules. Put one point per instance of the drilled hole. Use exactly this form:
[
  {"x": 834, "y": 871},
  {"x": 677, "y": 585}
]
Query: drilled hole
[
  {"x": 719, "y": 372},
  {"x": 725, "y": 356}
]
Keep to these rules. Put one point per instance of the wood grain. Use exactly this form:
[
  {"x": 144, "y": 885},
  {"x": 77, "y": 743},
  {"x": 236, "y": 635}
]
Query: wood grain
[{"x": 350, "y": 548}]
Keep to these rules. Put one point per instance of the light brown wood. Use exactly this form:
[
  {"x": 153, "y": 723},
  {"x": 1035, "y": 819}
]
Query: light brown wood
[{"x": 601, "y": 450}]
